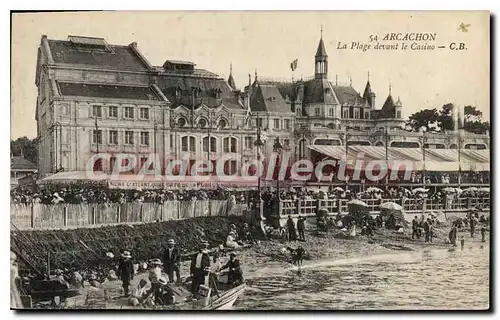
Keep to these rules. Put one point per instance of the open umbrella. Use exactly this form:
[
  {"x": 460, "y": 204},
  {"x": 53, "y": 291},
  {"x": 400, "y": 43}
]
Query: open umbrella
[
  {"x": 450, "y": 190},
  {"x": 338, "y": 189},
  {"x": 373, "y": 189},
  {"x": 391, "y": 206},
  {"x": 418, "y": 190},
  {"x": 471, "y": 189},
  {"x": 484, "y": 189},
  {"x": 357, "y": 202}
]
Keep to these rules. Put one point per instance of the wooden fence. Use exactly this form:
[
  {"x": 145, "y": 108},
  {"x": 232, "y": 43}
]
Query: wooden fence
[
  {"x": 310, "y": 207},
  {"x": 58, "y": 216}
]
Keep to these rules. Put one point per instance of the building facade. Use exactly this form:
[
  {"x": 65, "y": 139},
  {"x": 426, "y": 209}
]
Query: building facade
[{"x": 94, "y": 97}]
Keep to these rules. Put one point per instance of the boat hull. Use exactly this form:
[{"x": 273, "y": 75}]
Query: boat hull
[{"x": 226, "y": 299}]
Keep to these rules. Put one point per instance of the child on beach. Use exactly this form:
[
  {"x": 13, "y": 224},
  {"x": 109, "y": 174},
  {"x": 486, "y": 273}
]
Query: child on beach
[{"x": 462, "y": 242}]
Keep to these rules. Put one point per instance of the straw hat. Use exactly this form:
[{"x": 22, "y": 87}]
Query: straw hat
[
  {"x": 155, "y": 262},
  {"x": 162, "y": 281},
  {"x": 110, "y": 255},
  {"x": 126, "y": 254},
  {"x": 171, "y": 241}
]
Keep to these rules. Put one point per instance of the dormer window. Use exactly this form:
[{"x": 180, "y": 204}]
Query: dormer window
[
  {"x": 327, "y": 90},
  {"x": 177, "y": 92},
  {"x": 196, "y": 91},
  {"x": 217, "y": 93}
]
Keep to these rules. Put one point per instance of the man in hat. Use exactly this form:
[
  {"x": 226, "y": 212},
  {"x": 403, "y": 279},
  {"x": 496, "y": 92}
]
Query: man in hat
[
  {"x": 171, "y": 261},
  {"x": 301, "y": 227},
  {"x": 126, "y": 271},
  {"x": 199, "y": 262},
  {"x": 235, "y": 274}
]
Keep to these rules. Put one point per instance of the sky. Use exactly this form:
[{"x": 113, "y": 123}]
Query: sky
[{"x": 266, "y": 42}]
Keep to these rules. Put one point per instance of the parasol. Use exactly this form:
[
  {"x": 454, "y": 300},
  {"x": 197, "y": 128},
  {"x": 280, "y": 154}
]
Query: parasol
[
  {"x": 450, "y": 190},
  {"x": 471, "y": 189},
  {"x": 374, "y": 189},
  {"x": 391, "y": 206},
  {"x": 338, "y": 189},
  {"x": 357, "y": 202},
  {"x": 484, "y": 189},
  {"x": 419, "y": 190}
]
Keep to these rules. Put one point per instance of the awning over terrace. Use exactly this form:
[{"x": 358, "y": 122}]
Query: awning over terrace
[{"x": 434, "y": 159}]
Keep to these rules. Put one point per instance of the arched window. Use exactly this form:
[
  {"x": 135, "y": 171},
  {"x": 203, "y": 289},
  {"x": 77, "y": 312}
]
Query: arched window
[
  {"x": 379, "y": 144},
  {"x": 230, "y": 144},
  {"x": 202, "y": 123},
  {"x": 213, "y": 144},
  {"x": 222, "y": 124},
  {"x": 181, "y": 122},
  {"x": 188, "y": 143}
]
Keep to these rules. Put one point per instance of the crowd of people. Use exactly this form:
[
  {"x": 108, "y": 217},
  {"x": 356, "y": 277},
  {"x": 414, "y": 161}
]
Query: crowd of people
[{"x": 75, "y": 194}]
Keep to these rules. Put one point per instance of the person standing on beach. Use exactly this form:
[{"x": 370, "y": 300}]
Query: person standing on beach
[
  {"x": 126, "y": 271},
  {"x": 462, "y": 242},
  {"x": 301, "y": 227},
  {"x": 472, "y": 225},
  {"x": 453, "y": 235},
  {"x": 292, "y": 235},
  {"x": 171, "y": 261},
  {"x": 199, "y": 262},
  {"x": 427, "y": 230},
  {"x": 414, "y": 226},
  {"x": 483, "y": 233}
]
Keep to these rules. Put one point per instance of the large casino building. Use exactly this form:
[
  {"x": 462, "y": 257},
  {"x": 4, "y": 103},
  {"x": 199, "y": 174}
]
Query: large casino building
[{"x": 99, "y": 97}]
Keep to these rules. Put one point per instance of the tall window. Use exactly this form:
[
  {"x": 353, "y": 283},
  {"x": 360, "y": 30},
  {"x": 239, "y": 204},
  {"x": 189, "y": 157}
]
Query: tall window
[
  {"x": 316, "y": 111},
  {"x": 97, "y": 136},
  {"x": 188, "y": 143},
  {"x": 184, "y": 143},
  {"x": 286, "y": 124},
  {"x": 97, "y": 111},
  {"x": 356, "y": 113},
  {"x": 346, "y": 113},
  {"x": 367, "y": 114},
  {"x": 145, "y": 138},
  {"x": 230, "y": 144},
  {"x": 213, "y": 144},
  {"x": 330, "y": 112},
  {"x": 129, "y": 112},
  {"x": 113, "y": 112},
  {"x": 259, "y": 122},
  {"x": 113, "y": 137},
  {"x": 276, "y": 123},
  {"x": 248, "y": 142},
  {"x": 129, "y": 137},
  {"x": 398, "y": 114},
  {"x": 144, "y": 113}
]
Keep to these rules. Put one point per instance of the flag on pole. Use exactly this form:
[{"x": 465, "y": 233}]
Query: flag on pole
[{"x": 293, "y": 64}]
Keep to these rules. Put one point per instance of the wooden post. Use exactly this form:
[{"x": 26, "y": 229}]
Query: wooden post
[
  {"x": 118, "y": 213},
  {"x": 318, "y": 205},
  {"x": 65, "y": 216},
  {"x": 141, "y": 218},
  {"x": 161, "y": 212},
  {"x": 32, "y": 222},
  {"x": 298, "y": 205},
  {"x": 93, "y": 215},
  {"x": 178, "y": 210}
]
